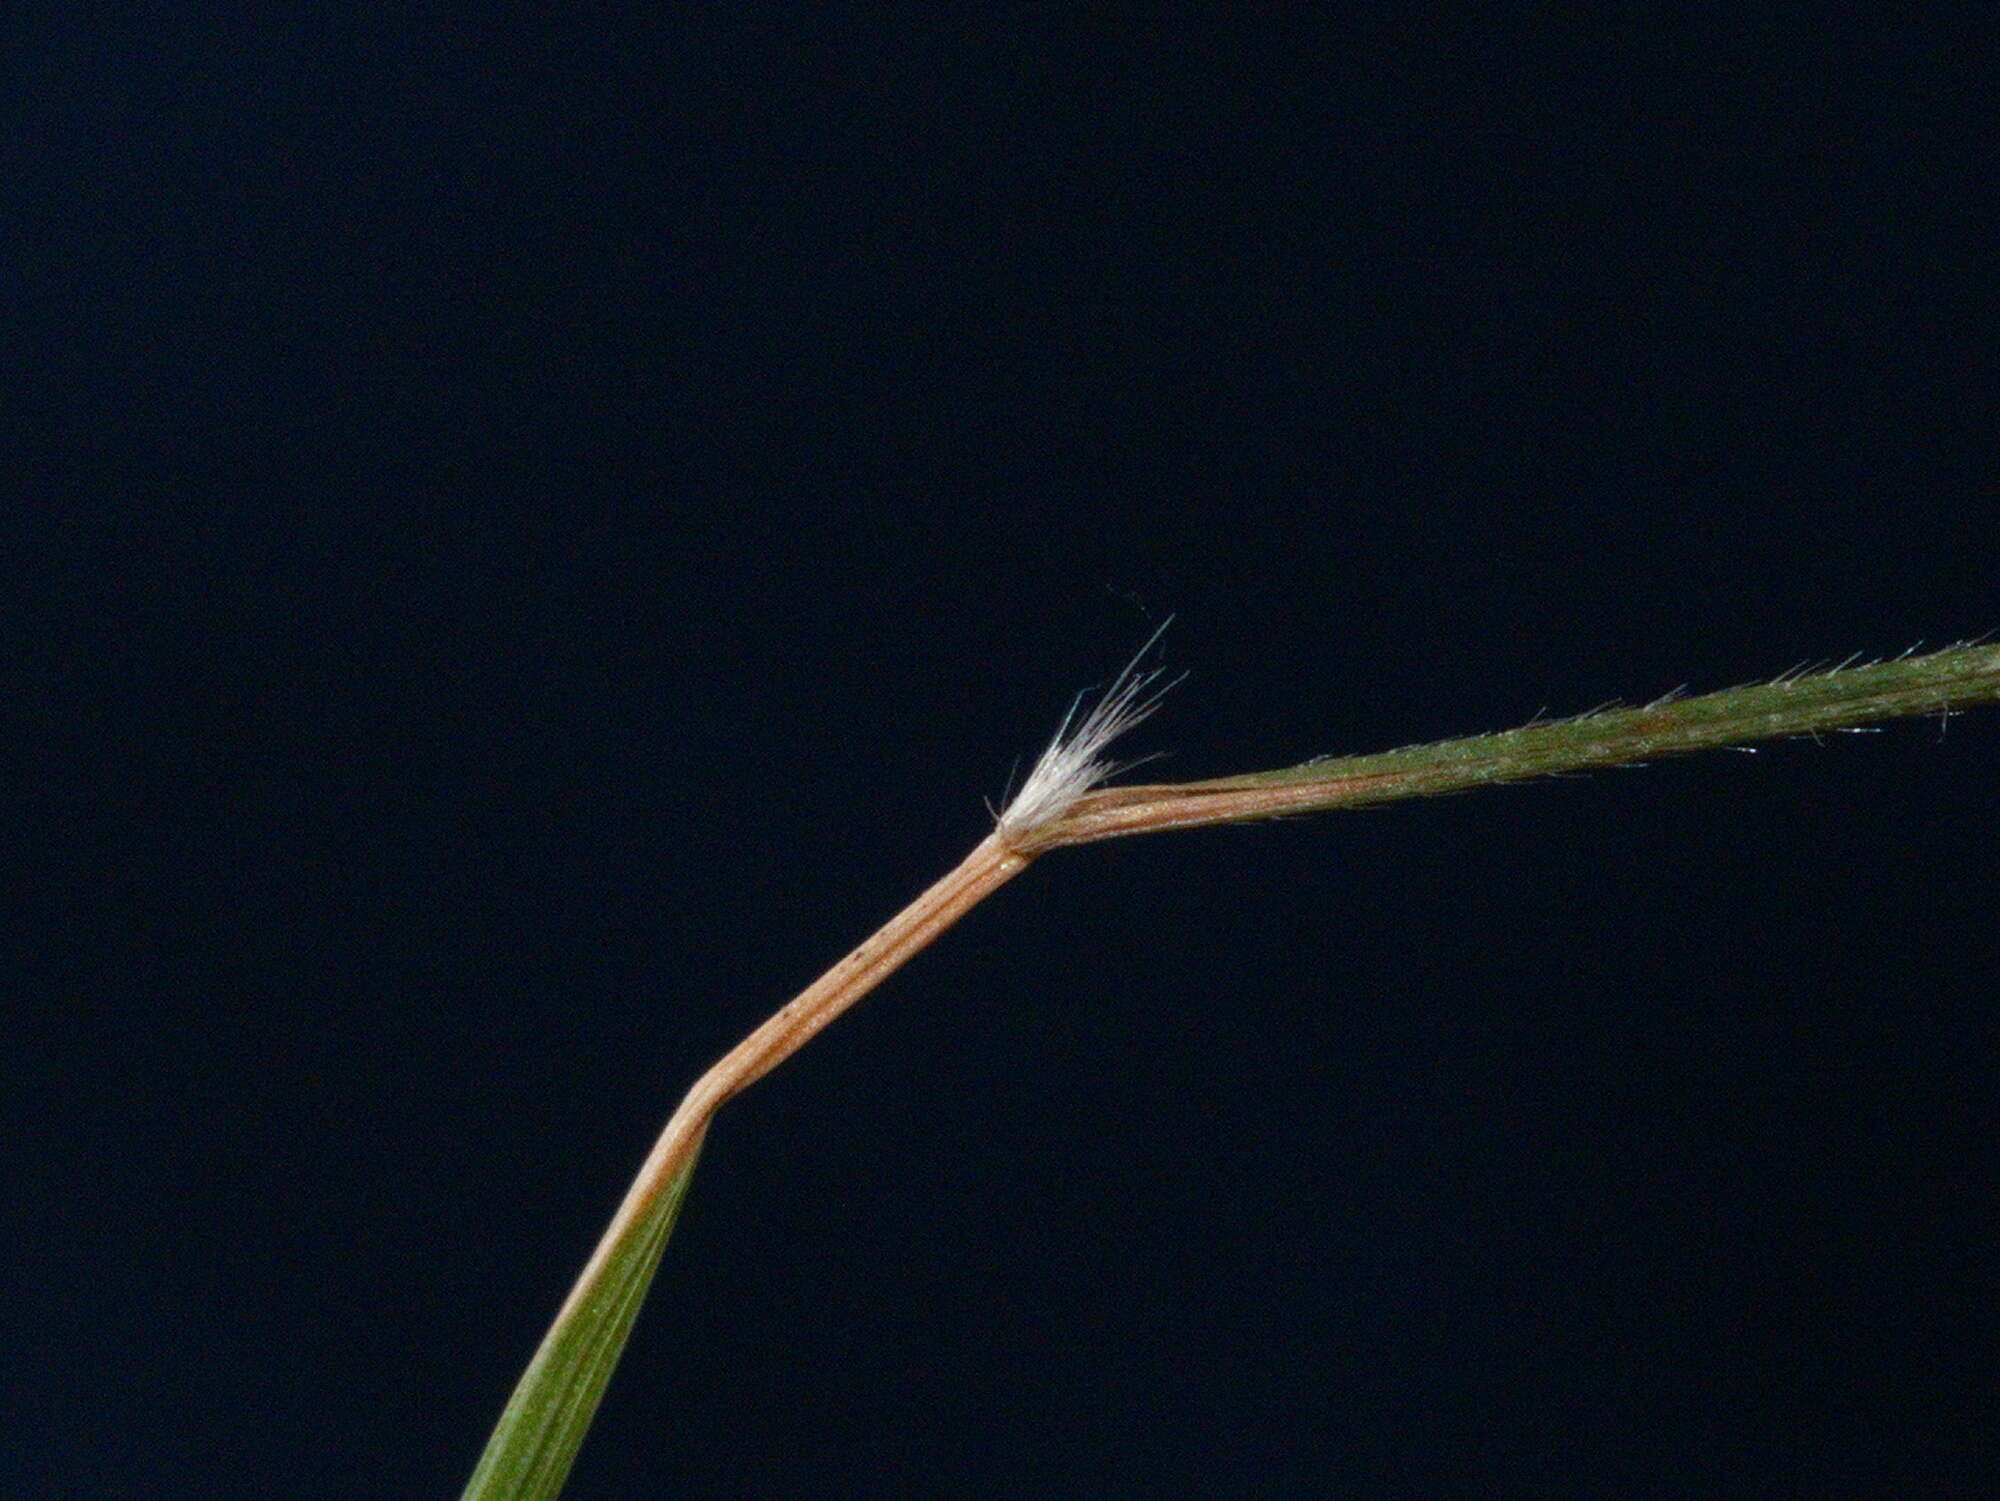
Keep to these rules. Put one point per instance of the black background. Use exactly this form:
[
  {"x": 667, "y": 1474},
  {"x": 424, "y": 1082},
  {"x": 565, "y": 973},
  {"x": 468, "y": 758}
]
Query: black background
[{"x": 529, "y": 539}]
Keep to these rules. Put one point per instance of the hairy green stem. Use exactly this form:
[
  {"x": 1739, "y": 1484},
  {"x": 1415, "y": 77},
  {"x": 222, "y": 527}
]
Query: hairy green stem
[{"x": 1798, "y": 704}]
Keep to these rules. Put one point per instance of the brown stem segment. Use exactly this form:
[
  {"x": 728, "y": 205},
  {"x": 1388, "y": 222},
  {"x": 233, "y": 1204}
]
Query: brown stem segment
[{"x": 992, "y": 863}]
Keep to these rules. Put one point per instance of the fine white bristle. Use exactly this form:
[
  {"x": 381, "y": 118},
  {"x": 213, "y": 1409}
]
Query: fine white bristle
[{"x": 1074, "y": 761}]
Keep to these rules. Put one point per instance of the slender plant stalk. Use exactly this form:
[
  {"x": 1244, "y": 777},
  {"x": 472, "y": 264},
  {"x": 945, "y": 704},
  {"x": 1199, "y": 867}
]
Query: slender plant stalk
[
  {"x": 530, "y": 1452},
  {"x": 1809, "y": 703}
]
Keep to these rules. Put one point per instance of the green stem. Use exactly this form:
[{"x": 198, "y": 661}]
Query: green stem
[{"x": 1806, "y": 704}]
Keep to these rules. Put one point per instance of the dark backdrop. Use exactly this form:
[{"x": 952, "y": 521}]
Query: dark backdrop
[{"x": 526, "y": 540}]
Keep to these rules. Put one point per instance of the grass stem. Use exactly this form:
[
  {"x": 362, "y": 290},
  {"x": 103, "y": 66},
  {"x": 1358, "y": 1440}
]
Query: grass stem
[{"x": 530, "y": 1452}]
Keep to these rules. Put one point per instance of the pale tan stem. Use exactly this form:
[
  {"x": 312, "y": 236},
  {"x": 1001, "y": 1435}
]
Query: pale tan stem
[
  {"x": 1119, "y": 811},
  {"x": 991, "y": 864}
]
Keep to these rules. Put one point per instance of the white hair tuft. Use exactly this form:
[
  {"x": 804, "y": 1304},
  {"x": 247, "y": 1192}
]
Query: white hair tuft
[{"x": 1074, "y": 761}]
